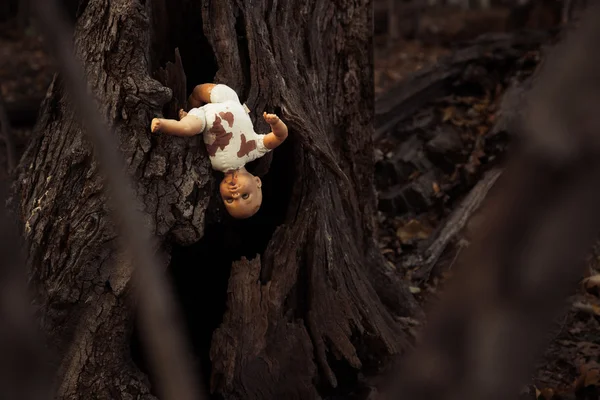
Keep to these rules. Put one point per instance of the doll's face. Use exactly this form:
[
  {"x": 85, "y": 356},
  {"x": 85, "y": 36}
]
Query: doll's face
[{"x": 241, "y": 193}]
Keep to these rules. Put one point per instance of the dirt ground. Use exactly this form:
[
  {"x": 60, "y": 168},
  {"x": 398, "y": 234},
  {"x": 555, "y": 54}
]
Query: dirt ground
[{"x": 569, "y": 366}]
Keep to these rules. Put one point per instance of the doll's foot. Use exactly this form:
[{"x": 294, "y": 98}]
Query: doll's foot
[
  {"x": 155, "y": 126},
  {"x": 182, "y": 114}
]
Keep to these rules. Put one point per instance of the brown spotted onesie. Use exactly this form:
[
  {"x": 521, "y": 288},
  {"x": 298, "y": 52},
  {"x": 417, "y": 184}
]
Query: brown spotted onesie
[{"x": 228, "y": 131}]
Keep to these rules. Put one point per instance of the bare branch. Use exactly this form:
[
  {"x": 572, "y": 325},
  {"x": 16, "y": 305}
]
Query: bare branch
[
  {"x": 456, "y": 222},
  {"x": 160, "y": 320}
]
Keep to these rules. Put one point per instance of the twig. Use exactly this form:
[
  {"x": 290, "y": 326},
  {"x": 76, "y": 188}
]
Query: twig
[
  {"x": 457, "y": 221},
  {"x": 160, "y": 320},
  {"x": 526, "y": 259}
]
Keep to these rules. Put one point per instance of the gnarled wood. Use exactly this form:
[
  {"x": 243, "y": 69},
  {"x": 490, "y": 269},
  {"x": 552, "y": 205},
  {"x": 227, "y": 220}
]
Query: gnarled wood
[
  {"x": 317, "y": 289},
  {"x": 82, "y": 283}
]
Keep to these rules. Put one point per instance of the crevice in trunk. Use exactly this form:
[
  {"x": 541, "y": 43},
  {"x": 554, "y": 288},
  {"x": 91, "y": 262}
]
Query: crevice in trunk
[
  {"x": 346, "y": 375},
  {"x": 178, "y": 25},
  {"x": 200, "y": 272},
  {"x": 244, "y": 51}
]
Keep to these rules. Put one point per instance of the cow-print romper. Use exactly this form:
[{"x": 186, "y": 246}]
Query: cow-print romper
[{"x": 228, "y": 131}]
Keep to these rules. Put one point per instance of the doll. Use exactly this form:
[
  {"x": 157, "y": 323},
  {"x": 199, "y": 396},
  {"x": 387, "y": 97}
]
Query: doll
[{"x": 230, "y": 140}]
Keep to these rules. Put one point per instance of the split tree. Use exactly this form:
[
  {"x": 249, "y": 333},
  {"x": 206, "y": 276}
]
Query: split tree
[{"x": 289, "y": 304}]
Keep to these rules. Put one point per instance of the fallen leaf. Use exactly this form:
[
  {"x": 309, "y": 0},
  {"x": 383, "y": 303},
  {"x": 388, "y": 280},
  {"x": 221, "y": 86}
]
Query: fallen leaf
[
  {"x": 455, "y": 175},
  {"x": 448, "y": 113},
  {"x": 468, "y": 100},
  {"x": 589, "y": 375},
  {"x": 592, "y": 284},
  {"x": 413, "y": 230},
  {"x": 414, "y": 289},
  {"x": 593, "y": 309},
  {"x": 459, "y": 121},
  {"x": 390, "y": 265},
  {"x": 544, "y": 394},
  {"x": 414, "y": 175},
  {"x": 481, "y": 107}
]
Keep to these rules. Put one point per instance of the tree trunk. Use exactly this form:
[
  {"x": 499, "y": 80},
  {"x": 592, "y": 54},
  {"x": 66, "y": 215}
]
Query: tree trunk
[{"x": 292, "y": 303}]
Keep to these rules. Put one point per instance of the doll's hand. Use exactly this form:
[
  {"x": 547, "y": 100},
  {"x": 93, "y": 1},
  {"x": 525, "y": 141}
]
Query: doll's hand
[
  {"x": 271, "y": 119},
  {"x": 182, "y": 114},
  {"x": 155, "y": 126}
]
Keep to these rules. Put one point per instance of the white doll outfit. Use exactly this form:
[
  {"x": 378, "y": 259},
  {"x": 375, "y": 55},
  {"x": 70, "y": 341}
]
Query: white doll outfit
[{"x": 228, "y": 132}]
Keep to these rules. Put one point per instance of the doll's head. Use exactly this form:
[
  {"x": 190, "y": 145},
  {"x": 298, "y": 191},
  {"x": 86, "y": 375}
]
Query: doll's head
[{"x": 241, "y": 193}]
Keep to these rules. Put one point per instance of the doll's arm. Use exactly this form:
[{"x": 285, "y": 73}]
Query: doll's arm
[
  {"x": 189, "y": 125},
  {"x": 279, "y": 131}
]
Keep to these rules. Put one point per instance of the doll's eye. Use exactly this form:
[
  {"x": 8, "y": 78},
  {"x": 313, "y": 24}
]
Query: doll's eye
[
  {"x": 245, "y": 196},
  {"x": 229, "y": 200}
]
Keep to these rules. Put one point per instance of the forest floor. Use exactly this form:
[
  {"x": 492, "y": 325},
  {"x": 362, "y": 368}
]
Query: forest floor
[
  {"x": 569, "y": 367},
  {"x": 570, "y": 361}
]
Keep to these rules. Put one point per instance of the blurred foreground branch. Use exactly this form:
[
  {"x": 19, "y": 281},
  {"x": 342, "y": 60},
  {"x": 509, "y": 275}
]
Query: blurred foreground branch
[
  {"x": 160, "y": 320},
  {"x": 24, "y": 374},
  {"x": 7, "y": 136},
  {"x": 543, "y": 217}
]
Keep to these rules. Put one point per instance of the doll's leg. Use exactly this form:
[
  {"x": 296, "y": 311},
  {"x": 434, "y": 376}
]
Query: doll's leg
[
  {"x": 200, "y": 95},
  {"x": 189, "y": 125},
  {"x": 211, "y": 93}
]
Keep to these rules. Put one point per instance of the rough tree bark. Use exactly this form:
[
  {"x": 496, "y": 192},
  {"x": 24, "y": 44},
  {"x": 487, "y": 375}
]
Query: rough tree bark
[{"x": 298, "y": 294}]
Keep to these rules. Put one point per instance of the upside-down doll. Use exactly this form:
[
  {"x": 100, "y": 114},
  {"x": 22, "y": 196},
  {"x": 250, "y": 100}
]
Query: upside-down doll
[{"x": 230, "y": 140}]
